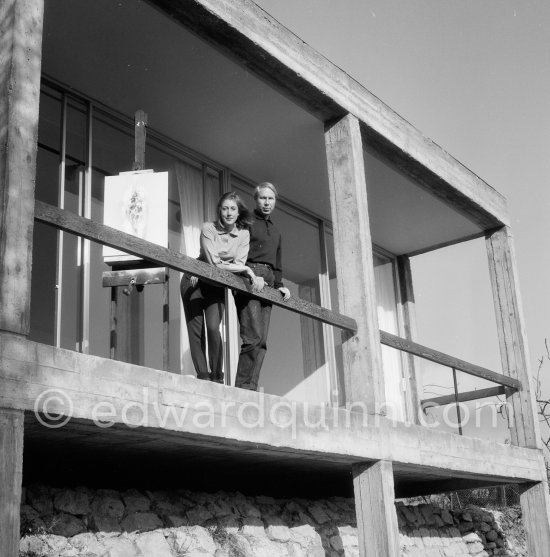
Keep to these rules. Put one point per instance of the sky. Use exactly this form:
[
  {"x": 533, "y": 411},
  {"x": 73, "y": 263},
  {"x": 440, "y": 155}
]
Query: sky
[{"x": 473, "y": 76}]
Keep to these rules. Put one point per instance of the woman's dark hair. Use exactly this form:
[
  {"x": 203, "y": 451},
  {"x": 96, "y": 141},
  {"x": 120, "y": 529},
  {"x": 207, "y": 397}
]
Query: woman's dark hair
[{"x": 245, "y": 218}]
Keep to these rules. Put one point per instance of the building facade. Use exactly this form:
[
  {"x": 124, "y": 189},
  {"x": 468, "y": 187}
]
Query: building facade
[{"x": 233, "y": 98}]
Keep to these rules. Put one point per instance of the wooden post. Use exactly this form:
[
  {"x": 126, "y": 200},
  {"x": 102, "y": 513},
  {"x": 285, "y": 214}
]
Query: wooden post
[
  {"x": 512, "y": 338},
  {"x": 20, "y": 43},
  {"x": 406, "y": 295},
  {"x": 363, "y": 374},
  {"x": 535, "y": 505},
  {"x": 535, "y": 500},
  {"x": 377, "y": 529},
  {"x": 11, "y": 474},
  {"x": 140, "y": 129}
]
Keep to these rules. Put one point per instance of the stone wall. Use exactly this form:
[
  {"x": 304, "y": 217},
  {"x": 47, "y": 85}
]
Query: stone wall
[{"x": 106, "y": 523}]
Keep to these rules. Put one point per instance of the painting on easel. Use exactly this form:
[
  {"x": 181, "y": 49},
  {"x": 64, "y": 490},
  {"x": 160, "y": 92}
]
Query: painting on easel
[{"x": 136, "y": 203}]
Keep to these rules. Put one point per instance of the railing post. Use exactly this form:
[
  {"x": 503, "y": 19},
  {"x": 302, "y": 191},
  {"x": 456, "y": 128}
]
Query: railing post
[{"x": 457, "y": 403}]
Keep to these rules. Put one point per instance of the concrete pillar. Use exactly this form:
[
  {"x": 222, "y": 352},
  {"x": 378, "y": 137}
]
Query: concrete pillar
[
  {"x": 377, "y": 528},
  {"x": 364, "y": 381}
]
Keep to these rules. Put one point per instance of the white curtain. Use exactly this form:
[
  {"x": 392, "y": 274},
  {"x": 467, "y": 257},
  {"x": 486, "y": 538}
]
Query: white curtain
[
  {"x": 391, "y": 359},
  {"x": 195, "y": 200}
]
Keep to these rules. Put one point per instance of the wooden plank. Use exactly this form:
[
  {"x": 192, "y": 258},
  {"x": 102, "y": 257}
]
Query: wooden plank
[
  {"x": 407, "y": 304},
  {"x": 252, "y": 37},
  {"x": 11, "y": 477},
  {"x": 450, "y": 361},
  {"x": 140, "y": 133},
  {"x": 363, "y": 373},
  {"x": 70, "y": 222},
  {"x": 377, "y": 530},
  {"x": 512, "y": 336},
  {"x": 535, "y": 505},
  {"x": 21, "y": 45},
  {"x": 463, "y": 397}
]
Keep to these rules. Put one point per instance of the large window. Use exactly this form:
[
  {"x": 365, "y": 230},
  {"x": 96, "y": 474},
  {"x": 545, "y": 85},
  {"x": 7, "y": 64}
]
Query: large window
[{"x": 81, "y": 143}]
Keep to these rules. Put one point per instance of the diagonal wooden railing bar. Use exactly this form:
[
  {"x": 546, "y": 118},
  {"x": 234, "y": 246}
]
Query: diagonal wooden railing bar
[
  {"x": 157, "y": 255},
  {"x": 463, "y": 397},
  {"x": 444, "y": 359}
]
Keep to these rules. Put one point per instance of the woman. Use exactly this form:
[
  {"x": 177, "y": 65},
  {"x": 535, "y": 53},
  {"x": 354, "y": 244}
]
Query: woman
[{"x": 224, "y": 243}]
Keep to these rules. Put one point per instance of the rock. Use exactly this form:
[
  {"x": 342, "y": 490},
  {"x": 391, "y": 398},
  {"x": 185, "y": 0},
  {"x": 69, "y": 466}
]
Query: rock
[
  {"x": 30, "y": 521},
  {"x": 165, "y": 502},
  {"x": 318, "y": 513},
  {"x": 67, "y": 525},
  {"x": 135, "y": 501},
  {"x": 447, "y": 517},
  {"x": 198, "y": 515},
  {"x": 246, "y": 509},
  {"x": 119, "y": 547},
  {"x": 175, "y": 521},
  {"x": 253, "y": 527},
  {"x": 142, "y": 522},
  {"x": 106, "y": 511},
  {"x": 40, "y": 499},
  {"x": 87, "y": 543},
  {"x": 153, "y": 544},
  {"x": 33, "y": 545},
  {"x": 72, "y": 502},
  {"x": 305, "y": 535},
  {"x": 219, "y": 508},
  {"x": 278, "y": 532},
  {"x": 336, "y": 543}
]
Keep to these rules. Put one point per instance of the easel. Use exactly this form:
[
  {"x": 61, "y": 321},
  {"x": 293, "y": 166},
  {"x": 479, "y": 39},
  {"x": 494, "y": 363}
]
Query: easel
[{"x": 132, "y": 277}]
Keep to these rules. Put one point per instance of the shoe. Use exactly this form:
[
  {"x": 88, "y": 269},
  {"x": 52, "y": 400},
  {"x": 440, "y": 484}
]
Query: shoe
[{"x": 217, "y": 378}]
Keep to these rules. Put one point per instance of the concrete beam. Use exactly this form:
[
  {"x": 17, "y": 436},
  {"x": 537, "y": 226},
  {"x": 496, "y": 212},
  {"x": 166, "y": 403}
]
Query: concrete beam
[
  {"x": 246, "y": 33},
  {"x": 90, "y": 387}
]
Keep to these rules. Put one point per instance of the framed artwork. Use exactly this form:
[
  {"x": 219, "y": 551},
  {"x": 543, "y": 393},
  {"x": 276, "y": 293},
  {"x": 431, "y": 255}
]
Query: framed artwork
[{"x": 136, "y": 203}]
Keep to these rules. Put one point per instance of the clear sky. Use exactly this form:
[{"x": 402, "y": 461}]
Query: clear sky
[{"x": 474, "y": 76}]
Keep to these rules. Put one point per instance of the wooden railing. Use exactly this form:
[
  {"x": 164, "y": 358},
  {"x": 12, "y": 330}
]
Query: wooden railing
[
  {"x": 505, "y": 382},
  {"x": 163, "y": 257}
]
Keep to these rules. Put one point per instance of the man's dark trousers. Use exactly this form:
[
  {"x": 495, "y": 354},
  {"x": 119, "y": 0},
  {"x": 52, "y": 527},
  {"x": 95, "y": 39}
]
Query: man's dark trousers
[{"x": 254, "y": 316}]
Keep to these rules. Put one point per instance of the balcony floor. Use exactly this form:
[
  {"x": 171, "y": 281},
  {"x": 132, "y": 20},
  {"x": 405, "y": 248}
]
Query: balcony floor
[{"x": 172, "y": 430}]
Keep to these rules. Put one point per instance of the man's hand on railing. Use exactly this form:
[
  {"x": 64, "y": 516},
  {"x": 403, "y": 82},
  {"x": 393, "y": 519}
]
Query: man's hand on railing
[{"x": 285, "y": 292}]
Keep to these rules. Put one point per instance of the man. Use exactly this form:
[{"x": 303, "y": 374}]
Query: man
[{"x": 264, "y": 258}]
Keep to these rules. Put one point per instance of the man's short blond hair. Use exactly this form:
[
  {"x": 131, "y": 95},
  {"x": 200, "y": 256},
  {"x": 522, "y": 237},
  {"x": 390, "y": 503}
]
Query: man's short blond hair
[{"x": 263, "y": 185}]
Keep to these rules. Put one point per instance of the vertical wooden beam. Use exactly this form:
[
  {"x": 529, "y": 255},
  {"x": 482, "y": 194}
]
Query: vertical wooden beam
[
  {"x": 512, "y": 338},
  {"x": 535, "y": 506},
  {"x": 406, "y": 300},
  {"x": 20, "y": 44},
  {"x": 11, "y": 473},
  {"x": 535, "y": 500},
  {"x": 377, "y": 529},
  {"x": 20, "y": 63},
  {"x": 363, "y": 374}
]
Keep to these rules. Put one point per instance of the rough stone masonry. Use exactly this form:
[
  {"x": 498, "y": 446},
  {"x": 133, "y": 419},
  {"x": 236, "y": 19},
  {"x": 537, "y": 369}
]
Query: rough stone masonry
[{"x": 78, "y": 522}]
